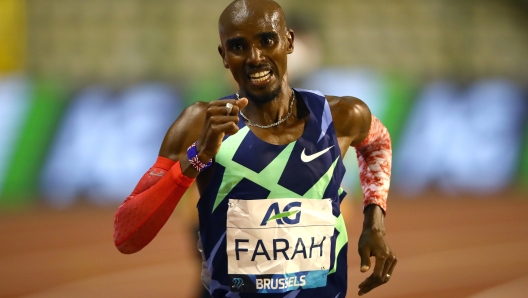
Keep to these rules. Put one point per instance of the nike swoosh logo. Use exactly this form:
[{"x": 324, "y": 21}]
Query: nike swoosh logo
[{"x": 308, "y": 158}]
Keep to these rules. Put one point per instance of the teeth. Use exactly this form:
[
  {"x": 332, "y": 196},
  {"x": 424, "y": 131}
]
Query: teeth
[{"x": 260, "y": 76}]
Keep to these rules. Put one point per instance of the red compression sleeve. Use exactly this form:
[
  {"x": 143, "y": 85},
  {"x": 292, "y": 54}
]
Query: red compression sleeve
[
  {"x": 142, "y": 215},
  {"x": 374, "y": 156}
]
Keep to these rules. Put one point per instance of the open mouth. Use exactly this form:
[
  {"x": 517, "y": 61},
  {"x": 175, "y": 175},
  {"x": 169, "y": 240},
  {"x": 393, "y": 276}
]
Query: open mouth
[{"x": 260, "y": 77}]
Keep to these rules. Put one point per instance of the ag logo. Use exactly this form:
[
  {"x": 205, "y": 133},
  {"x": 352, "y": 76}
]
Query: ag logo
[
  {"x": 283, "y": 217},
  {"x": 238, "y": 282}
]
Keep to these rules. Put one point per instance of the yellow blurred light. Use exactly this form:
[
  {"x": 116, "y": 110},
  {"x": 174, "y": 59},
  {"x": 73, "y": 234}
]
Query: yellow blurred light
[{"x": 12, "y": 35}]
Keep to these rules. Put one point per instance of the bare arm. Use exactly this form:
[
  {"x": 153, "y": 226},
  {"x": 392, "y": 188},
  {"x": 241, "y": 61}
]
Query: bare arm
[{"x": 351, "y": 120}]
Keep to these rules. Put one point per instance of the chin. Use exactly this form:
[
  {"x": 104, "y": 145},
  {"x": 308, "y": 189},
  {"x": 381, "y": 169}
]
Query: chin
[{"x": 264, "y": 97}]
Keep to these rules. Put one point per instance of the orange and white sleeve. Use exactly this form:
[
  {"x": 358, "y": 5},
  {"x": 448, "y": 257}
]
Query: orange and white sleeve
[{"x": 374, "y": 156}]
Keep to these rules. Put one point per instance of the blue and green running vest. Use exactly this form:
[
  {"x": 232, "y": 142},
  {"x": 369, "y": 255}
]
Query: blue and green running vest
[{"x": 262, "y": 228}]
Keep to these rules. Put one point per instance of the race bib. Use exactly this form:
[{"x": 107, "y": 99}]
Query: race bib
[{"x": 278, "y": 245}]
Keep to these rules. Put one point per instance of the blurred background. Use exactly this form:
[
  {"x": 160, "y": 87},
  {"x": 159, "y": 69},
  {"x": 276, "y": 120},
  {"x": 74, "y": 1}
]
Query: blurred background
[{"x": 89, "y": 88}]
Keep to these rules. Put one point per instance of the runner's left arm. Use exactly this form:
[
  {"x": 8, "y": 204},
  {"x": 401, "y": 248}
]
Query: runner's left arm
[{"x": 374, "y": 156}]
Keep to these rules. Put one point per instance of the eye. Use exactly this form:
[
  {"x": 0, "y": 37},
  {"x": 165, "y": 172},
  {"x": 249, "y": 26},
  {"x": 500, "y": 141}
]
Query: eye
[
  {"x": 268, "y": 41},
  {"x": 237, "y": 47}
]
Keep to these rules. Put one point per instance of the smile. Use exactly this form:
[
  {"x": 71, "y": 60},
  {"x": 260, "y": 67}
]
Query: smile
[{"x": 260, "y": 77}]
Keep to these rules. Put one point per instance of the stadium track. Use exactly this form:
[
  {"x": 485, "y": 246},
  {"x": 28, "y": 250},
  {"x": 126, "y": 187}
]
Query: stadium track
[{"x": 447, "y": 247}]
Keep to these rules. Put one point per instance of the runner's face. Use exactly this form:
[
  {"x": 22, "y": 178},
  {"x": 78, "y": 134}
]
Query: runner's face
[{"x": 254, "y": 47}]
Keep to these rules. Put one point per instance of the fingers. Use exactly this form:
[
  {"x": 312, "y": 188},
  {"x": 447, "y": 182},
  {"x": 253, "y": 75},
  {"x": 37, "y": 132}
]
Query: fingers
[
  {"x": 223, "y": 124},
  {"x": 379, "y": 268},
  {"x": 221, "y": 118},
  {"x": 223, "y": 111},
  {"x": 375, "y": 279},
  {"x": 226, "y": 111},
  {"x": 382, "y": 273},
  {"x": 391, "y": 267},
  {"x": 367, "y": 285},
  {"x": 226, "y": 106}
]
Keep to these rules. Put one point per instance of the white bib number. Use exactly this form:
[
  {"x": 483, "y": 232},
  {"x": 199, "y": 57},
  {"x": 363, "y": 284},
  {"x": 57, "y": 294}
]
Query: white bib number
[{"x": 279, "y": 245}]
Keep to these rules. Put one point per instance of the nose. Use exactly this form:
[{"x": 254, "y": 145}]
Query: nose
[{"x": 255, "y": 56}]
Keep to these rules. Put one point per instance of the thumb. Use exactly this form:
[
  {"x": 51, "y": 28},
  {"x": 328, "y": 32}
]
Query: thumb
[
  {"x": 365, "y": 260},
  {"x": 241, "y": 103}
]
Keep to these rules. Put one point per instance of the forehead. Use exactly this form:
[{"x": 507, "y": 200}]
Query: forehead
[{"x": 244, "y": 19}]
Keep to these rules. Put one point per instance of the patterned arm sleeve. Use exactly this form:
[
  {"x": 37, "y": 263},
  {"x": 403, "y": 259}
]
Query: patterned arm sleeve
[{"x": 374, "y": 156}]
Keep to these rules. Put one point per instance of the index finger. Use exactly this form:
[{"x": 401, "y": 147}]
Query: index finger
[
  {"x": 223, "y": 102},
  {"x": 379, "y": 266},
  {"x": 240, "y": 103}
]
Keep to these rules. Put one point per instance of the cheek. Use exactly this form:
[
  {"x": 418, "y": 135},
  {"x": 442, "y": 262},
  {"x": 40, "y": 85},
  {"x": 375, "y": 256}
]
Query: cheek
[
  {"x": 233, "y": 63},
  {"x": 236, "y": 69},
  {"x": 235, "y": 73},
  {"x": 281, "y": 61},
  {"x": 280, "y": 56}
]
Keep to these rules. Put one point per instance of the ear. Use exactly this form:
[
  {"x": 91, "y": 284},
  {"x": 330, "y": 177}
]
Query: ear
[
  {"x": 290, "y": 37},
  {"x": 221, "y": 52}
]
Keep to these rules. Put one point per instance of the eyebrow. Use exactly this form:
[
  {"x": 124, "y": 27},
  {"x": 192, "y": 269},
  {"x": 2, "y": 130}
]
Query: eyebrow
[
  {"x": 235, "y": 40},
  {"x": 272, "y": 34}
]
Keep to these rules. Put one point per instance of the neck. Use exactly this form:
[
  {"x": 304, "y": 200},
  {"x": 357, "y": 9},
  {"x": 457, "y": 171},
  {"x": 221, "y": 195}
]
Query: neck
[{"x": 270, "y": 113}]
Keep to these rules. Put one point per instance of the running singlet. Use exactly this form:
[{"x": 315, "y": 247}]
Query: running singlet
[{"x": 270, "y": 220}]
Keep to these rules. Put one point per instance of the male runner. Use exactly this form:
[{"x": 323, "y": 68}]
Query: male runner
[{"x": 268, "y": 165}]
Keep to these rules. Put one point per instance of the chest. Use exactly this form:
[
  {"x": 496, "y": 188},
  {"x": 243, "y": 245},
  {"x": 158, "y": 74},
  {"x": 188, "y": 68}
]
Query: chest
[
  {"x": 287, "y": 133},
  {"x": 252, "y": 168}
]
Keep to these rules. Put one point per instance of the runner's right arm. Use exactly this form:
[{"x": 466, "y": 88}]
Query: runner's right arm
[{"x": 142, "y": 215}]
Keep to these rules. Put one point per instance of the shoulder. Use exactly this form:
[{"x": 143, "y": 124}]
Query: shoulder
[
  {"x": 351, "y": 117},
  {"x": 184, "y": 131},
  {"x": 194, "y": 111}
]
